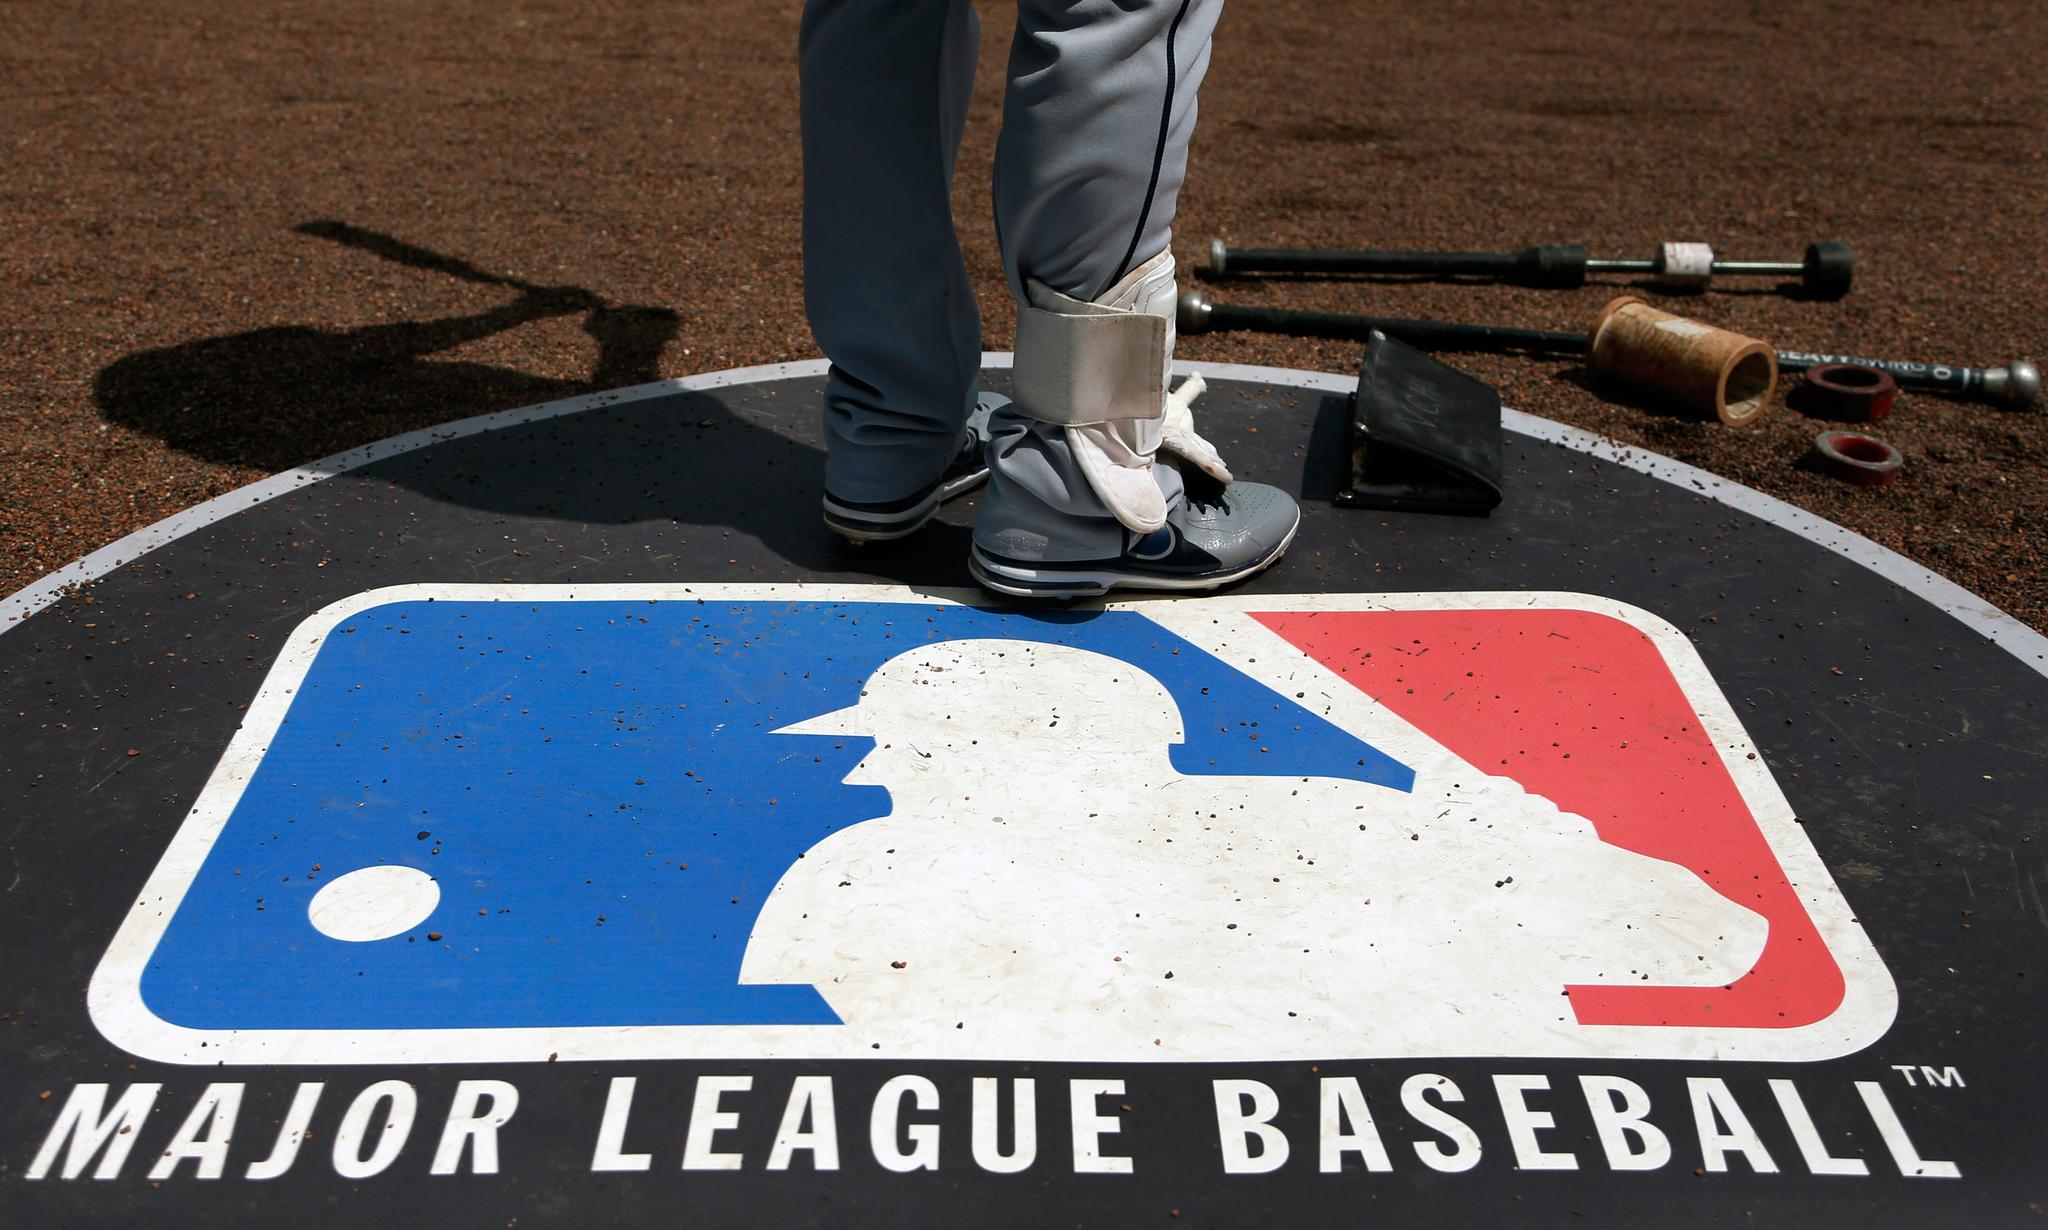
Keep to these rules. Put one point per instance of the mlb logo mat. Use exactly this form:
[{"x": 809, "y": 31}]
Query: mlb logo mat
[{"x": 474, "y": 822}]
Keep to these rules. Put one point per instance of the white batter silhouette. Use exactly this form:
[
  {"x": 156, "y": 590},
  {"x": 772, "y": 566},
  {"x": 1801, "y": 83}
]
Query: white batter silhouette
[{"x": 1049, "y": 886}]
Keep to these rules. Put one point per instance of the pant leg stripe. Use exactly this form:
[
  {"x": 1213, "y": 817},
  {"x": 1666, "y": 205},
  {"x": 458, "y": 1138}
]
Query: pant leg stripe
[{"x": 1158, "y": 156}]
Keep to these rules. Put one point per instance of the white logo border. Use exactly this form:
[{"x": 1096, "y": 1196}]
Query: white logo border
[{"x": 1218, "y": 625}]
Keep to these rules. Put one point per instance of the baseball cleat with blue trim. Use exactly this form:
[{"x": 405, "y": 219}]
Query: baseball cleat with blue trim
[{"x": 1205, "y": 544}]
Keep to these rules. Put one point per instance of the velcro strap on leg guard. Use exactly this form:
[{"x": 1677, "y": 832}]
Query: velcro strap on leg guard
[{"x": 1080, "y": 363}]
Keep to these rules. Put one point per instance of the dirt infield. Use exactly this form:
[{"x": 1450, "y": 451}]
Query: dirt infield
[{"x": 199, "y": 204}]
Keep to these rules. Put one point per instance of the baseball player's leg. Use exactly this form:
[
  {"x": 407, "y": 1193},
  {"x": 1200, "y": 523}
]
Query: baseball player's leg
[
  {"x": 1096, "y": 124},
  {"x": 885, "y": 87}
]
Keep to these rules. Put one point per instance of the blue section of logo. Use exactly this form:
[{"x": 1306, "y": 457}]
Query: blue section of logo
[{"x": 597, "y": 792}]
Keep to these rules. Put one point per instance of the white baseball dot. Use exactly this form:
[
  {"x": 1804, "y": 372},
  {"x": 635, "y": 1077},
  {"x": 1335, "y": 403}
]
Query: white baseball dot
[{"x": 374, "y": 903}]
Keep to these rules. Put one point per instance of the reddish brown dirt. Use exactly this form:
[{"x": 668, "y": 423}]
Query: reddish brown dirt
[{"x": 168, "y": 334}]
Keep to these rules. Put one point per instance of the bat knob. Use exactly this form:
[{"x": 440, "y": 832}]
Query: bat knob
[
  {"x": 2020, "y": 388},
  {"x": 1191, "y": 313},
  {"x": 1219, "y": 258}
]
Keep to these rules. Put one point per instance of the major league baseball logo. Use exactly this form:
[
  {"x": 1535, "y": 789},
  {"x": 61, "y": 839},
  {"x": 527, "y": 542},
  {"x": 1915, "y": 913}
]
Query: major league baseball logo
[{"x": 502, "y": 822}]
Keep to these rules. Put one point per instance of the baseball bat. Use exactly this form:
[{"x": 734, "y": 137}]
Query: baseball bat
[
  {"x": 2016, "y": 386},
  {"x": 379, "y": 244},
  {"x": 1196, "y": 314},
  {"x": 1825, "y": 272}
]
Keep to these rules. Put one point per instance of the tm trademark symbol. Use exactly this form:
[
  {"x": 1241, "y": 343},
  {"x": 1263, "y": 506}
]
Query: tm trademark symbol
[{"x": 1946, "y": 1078}]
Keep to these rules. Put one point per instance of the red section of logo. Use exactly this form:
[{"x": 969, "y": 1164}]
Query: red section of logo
[{"x": 1583, "y": 709}]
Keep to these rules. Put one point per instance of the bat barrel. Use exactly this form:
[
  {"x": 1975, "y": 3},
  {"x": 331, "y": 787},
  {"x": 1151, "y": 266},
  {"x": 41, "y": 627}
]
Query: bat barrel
[
  {"x": 1544, "y": 265},
  {"x": 1198, "y": 315}
]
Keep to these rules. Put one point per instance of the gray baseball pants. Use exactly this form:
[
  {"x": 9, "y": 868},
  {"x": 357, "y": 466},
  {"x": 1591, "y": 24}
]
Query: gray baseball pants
[{"x": 1096, "y": 120}]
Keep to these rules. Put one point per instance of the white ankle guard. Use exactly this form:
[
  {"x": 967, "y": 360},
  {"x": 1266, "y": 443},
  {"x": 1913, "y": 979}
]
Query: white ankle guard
[
  {"x": 1080, "y": 363},
  {"x": 1099, "y": 371}
]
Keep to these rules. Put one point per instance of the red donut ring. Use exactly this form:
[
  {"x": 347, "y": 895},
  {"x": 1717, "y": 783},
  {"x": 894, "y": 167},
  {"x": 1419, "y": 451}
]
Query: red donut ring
[
  {"x": 1857, "y": 457},
  {"x": 1850, "y": 391}
]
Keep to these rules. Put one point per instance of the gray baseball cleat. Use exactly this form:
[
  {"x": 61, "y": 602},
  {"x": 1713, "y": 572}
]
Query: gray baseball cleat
[
  {"x": 879, "y": 521},
  {"x": 1206, "y": 543}
]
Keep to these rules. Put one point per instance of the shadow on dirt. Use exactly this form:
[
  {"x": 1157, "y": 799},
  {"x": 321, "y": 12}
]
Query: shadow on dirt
[{"x": 279, "y": 397}]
